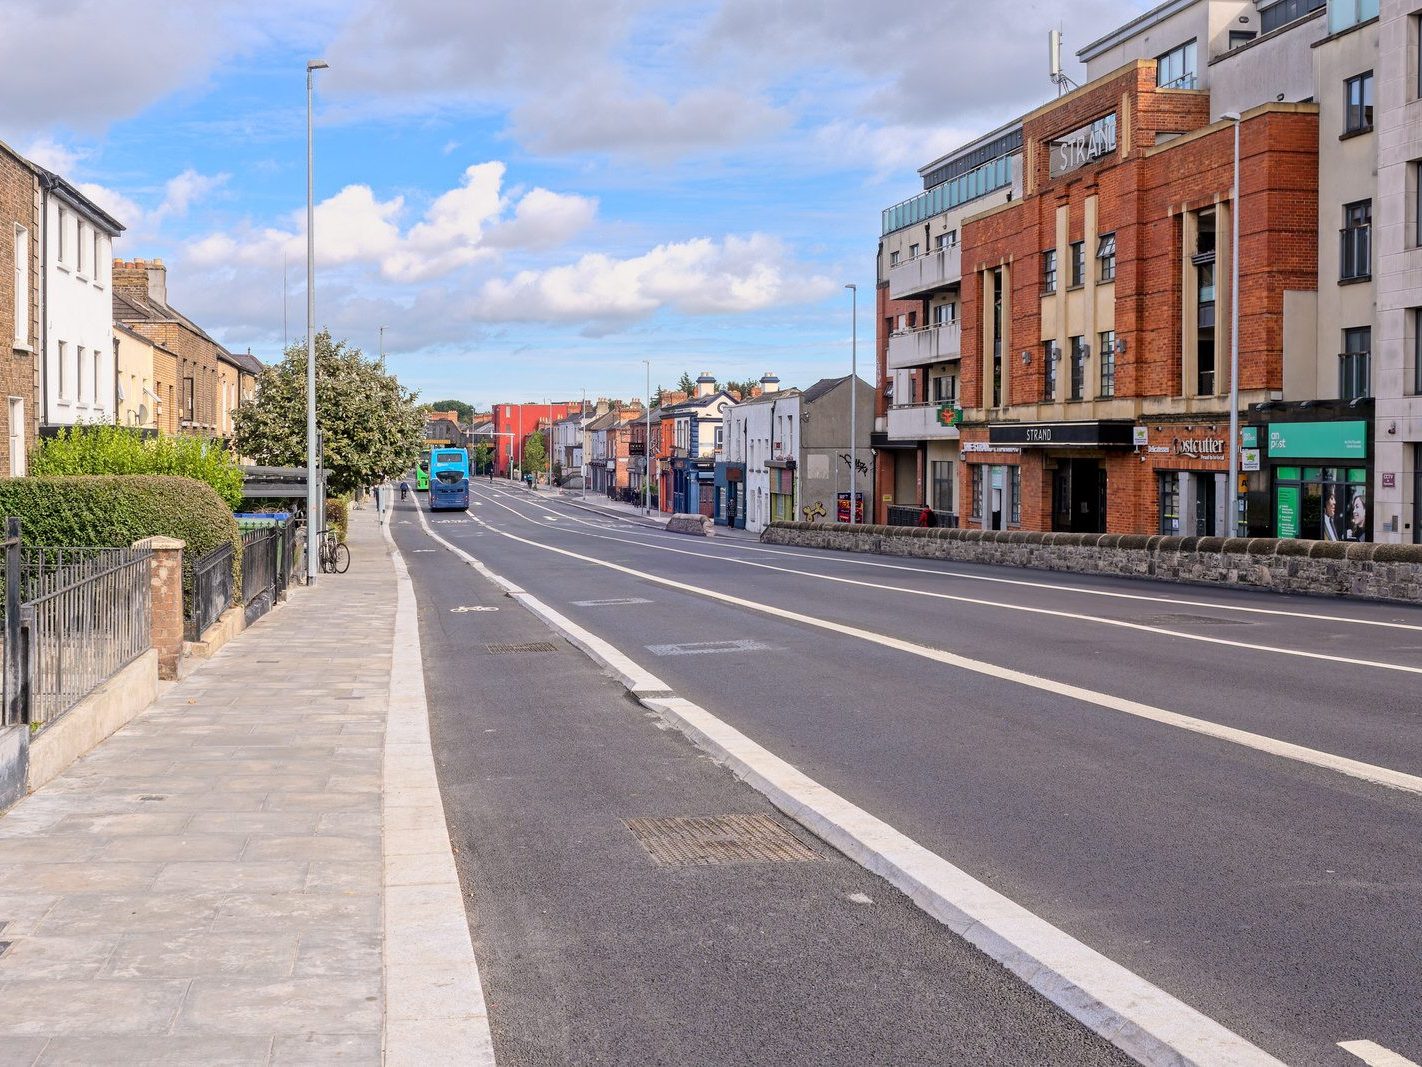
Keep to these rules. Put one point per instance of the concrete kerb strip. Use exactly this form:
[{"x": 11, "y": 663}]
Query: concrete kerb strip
[
  {"x": 434, "y": 1003},
  {"x": 1140, "y": 1018}
]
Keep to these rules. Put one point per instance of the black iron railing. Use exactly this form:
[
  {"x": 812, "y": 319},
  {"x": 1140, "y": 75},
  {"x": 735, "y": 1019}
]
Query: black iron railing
[
  {"x": 211, "y": 592},
  {"x": 74, "y": 617},
  {"x": 259, "y": 572},
  {"x": 900, "y": 515}
]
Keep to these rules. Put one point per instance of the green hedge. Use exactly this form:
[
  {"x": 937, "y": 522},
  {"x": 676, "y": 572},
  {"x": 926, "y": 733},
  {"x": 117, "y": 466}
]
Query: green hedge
[
  {"x": 103, "y": 449},
  {"x": 114, "y": 511}
]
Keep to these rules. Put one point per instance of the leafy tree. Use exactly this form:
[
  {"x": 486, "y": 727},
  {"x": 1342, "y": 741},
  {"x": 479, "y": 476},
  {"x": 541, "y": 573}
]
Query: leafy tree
[
  {"x": 371, "y": 426},
  {"x": 106, "y": 449},
  {"x": 483, "y": 456},
  {"x": 744, "y": 388},
  {"x": 535, "y": 456},
  {"x": 686, "y": 384},
  {"x": 465, "y": 411}
]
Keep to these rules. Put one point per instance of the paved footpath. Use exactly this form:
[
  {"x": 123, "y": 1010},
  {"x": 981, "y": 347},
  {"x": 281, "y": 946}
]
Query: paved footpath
[{"x": 210, "y": 885}]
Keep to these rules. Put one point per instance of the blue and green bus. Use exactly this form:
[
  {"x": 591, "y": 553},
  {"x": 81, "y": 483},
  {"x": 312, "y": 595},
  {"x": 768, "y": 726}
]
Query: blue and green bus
[
  {"x": 449, "y": 479},
  {"x": 422, "y": 473}
]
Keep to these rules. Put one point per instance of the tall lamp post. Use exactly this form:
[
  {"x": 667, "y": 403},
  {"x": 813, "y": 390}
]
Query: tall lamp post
[
  {"x": 647, "y": 447},
  {"x": 312, "y": 66},
  {"x": 853, "y": 400},
  {"x": 1233, "y": 528}
]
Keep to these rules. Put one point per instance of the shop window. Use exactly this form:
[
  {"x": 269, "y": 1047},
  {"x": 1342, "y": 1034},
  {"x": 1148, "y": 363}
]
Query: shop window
[
  {"x": 976, "y": 475},
  {"x": 1322, "y": 503},
  {"x": 1049, "y": 271},
  {"x": 1358, "y": 103},
  {"x": 1078, "y": 263},
  {"x": 1168, "y": 494},
  {"x": 1078, "y": 367},
  {"x": 1049, "y": 371},
  {"x": 1354, "y": 364},
  {"x": 942, "y": 473},
  {"x": 1014, "y": 485},
  {"x": 1106, "y": 256},
  {"x": 1355, "y": 257},
  {"x": 1108, "y": 362}
]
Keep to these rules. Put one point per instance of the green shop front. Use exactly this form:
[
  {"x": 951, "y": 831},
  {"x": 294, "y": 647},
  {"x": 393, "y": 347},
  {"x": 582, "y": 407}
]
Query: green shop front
[{"x": 1317, "y": 476}]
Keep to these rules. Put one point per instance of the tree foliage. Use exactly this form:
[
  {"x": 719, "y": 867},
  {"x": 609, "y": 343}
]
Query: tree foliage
[
  {"x": 465, "y": 411},
  {"x": 105, "y": 449},
  {"x": 535, "y": 456},
  {"x": 686, "y": 384},
  {"x": 370, "y": 424},
  {"x": 483, "y": 456},
  {"x": 743, "y": 388}
]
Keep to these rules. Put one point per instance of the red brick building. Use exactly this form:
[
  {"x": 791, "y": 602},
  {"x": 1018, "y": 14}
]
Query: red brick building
[
  {"x": 519, "y": 422},
  {"x": 1096, "y": 307}
]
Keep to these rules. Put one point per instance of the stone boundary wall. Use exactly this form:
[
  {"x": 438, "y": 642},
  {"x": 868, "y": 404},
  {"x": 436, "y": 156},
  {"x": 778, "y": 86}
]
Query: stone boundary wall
[{"x": 1326, "y": 568}]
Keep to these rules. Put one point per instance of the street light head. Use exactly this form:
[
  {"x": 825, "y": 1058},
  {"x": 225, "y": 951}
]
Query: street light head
[
  {"x": 1231, "y": 116},
  {"x": 316, "y": 64},
  {"x": 851, "y": 285}
]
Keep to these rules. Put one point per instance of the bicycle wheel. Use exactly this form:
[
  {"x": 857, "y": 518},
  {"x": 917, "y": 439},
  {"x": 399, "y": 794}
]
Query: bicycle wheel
[{"x": 340, "y": 558}]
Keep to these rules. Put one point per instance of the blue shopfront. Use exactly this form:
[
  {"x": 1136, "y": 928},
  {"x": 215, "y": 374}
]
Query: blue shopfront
[{"x": 730, "y": 494}]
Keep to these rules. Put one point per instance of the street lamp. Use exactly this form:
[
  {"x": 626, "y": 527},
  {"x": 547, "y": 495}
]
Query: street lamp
[
  {"x": 647, "y": 447},
  {"x": 853, "y": 399},
  {"x": 382, "y": 345},
  {"x": 1233, "y": 116},
  {"x": 311, "y": 501}
]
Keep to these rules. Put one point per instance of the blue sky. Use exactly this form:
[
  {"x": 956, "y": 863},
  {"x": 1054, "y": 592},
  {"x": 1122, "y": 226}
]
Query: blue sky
[{"x": 532, "y": 196}]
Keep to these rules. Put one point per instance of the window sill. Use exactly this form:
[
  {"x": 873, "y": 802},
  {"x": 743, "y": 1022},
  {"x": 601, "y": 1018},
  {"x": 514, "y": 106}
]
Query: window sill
[
  {"x": 1049, "y": 292},
  {"x": 1348, "y": 135},
  {"x": 1105, "y": 281},
  {"x": 21, "y": 346},
  {"x": 1074, "y": 288},
  {"x": 1360, "y": 279}
]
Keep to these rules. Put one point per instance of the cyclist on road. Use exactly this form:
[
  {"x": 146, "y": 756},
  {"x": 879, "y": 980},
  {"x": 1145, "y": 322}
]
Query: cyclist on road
[{"x": 404, "y": 490}]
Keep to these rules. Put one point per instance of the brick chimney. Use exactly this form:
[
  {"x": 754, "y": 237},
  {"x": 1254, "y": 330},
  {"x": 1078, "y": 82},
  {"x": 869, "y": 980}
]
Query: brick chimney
[{"x": 146, "y": 277}]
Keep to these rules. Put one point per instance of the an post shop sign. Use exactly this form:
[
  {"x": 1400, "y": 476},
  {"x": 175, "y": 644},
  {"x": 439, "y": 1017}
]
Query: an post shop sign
[{"x": 1083, "y": 146}]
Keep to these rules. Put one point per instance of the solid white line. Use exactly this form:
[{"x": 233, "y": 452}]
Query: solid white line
[
  {"x": 1373, "y": 1054},
  {"x": 1184, "y": 635},
  {"x": 1136, "y": 1016},
  {"x": 1384, "y": 776},
  {"x": 848, "y": 559},
  {"x": 434, "y": 1001}
]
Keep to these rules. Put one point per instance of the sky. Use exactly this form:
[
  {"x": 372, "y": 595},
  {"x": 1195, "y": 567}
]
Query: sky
[{"x": 532, "y": 196}]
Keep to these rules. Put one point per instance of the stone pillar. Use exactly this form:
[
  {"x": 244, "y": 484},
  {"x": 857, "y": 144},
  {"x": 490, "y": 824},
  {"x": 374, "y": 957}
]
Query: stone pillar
[{"x": 166, "y": 601}]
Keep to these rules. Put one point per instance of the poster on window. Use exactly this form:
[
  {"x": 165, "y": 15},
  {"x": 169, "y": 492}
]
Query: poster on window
[
  {"x": 842, "y": 508},
  {"x": 1356, "y": 521}
]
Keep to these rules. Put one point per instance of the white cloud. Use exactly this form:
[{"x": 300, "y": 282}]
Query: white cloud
[
  {"x": 52, "y": 155},
  {"x": 461, "y": 226},
  {"x": 695, "y": 277}
]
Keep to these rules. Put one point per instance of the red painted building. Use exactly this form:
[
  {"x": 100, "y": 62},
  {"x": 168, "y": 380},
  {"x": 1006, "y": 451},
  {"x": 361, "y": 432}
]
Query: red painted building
[{"x": 518, "y": 422}]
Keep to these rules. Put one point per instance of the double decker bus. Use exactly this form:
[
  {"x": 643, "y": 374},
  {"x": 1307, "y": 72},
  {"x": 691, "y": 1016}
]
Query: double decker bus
[
  {"x": 422, "y": 473},
  {"x": 449, "y": 479}
]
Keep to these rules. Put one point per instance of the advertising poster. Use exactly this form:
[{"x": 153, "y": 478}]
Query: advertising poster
[
  {"x": 842, "y": 507},
  {"x": 1286, "y": 516},
  {"x": 1355, "y": 522}
]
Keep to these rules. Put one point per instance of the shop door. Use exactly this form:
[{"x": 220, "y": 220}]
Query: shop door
[
  {"x": 1079, "y": 497},
  {"x": 1205, "y": 505},
  {"x": 998, "y": 499},
  {"x": 1417, "y": 494}
]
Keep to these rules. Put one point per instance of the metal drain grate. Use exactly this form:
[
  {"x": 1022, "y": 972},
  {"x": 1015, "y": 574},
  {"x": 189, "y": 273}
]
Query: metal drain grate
[
  {"x": 698, "y": 842},
  {"x": 527, "y": 646},
  {"x": 1187, "y": 620}
]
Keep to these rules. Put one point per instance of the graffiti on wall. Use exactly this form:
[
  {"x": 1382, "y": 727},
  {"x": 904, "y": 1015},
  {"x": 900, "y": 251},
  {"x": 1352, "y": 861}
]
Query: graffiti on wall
[{"x": 815, "y": 512}]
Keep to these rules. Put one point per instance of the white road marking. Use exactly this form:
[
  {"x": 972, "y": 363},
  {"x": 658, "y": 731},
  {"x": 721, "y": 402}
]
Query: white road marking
[
  {"x": 1368, "y": 772},
  {"x": 466, "y": 608},
  {"x": 706, "y": 648},
  {"x": 1136, "y": 1016},
  {"x": 850, "y": 559},
  {"x": 615, "y": 602},
  {"x": 1185, "y": 635},
  {"x": 1373, "y": 1054}
]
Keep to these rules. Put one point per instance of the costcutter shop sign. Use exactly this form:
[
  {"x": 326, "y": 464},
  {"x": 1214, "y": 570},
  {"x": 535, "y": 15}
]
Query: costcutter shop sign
[
  {"x": 1083, "y": 146},
  {"x": 1199, "y": 448}
]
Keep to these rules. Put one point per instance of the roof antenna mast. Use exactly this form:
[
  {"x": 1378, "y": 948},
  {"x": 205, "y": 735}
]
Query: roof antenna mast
[{"x": 1054, "y": 55}]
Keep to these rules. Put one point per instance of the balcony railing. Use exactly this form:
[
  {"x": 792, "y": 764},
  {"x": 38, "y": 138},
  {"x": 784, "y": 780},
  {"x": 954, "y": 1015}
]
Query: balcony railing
[
  {"x": 919, "y": 422},
  {"x": 937, "y": 269},
  {"x": 924, "y": 345}
]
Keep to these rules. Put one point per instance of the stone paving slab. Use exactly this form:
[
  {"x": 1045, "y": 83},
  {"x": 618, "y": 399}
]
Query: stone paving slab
[{"x": 206, "y": 885}]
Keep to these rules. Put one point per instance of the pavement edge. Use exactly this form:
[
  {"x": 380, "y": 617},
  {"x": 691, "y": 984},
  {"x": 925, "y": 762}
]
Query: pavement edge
[
  {"x": 434, "y": 1001},
  {"x": 1139, "y": 1018}
]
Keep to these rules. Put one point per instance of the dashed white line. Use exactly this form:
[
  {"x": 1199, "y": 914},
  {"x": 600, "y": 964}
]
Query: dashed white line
[{"x": 1373, "y": 1054}]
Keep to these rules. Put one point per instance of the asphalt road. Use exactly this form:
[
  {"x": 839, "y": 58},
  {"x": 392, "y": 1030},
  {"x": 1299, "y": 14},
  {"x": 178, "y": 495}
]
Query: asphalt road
[{"x": 1280, "y": 898}]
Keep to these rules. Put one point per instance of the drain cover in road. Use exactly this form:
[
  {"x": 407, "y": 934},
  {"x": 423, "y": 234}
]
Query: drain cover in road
[
  {"x": 1187, "y": 620},
  {"x": 699, "y": 842},
  {"x": 706, "y": 648},
  {"x": 528, "y": 646}
]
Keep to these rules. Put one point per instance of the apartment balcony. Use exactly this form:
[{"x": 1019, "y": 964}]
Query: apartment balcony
[
  {"x": 933, "y": 270},
  {"x": 918, "y": 422},
  {"x": 925, "y": 345}
]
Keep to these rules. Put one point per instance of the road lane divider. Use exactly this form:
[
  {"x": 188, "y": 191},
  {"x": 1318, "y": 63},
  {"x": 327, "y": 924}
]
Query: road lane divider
[
  {"x": 1368, "y": 772},
  {"x": 1184, "y": 635},
  {"x": 1138, "y": 1017},
  {"x": 1375, "y": 1055}
]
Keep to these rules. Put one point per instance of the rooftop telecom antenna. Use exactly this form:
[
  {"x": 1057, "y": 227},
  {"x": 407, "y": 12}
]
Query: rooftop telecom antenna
[{"x": 1054, "y": 54}]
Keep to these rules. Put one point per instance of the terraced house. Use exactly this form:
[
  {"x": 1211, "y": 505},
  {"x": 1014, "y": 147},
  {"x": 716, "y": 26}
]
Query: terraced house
[{"x": 19, "y": 306}]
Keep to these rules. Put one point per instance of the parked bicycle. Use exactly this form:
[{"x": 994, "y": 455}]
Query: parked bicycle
[{"x": 335, "y": 556}]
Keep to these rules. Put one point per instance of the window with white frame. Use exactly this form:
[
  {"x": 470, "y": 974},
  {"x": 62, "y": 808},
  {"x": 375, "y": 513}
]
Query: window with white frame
[
  {"x": 100, "y": 260},
  {"x": 80, "y": 237},
  {"x": 79, "y": 373},
  {"x": 17, "y": 436},
  {"x": 61, "y": 384},
  {"x": 97, "y": 355},
  {"x": 62, "y": 233},
  {"x": 22, "y": 285},
  {"x": 945, "y": 314}
]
